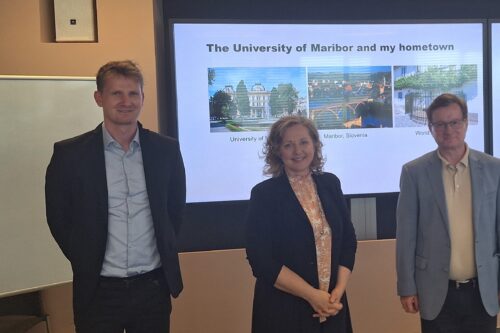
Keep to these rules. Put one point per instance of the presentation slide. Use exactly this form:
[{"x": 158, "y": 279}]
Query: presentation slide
[
  {"x": 495, "y": 85},
  {"x": 365, "y": 86}
]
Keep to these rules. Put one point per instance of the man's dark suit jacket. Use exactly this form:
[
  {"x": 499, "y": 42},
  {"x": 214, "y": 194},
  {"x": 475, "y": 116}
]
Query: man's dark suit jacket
[
  {"x": 77, "y": 205},
  {"x": 279, "y": 233}
]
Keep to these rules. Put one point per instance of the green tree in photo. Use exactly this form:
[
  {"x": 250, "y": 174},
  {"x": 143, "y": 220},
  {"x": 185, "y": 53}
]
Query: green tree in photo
[
  {"x": 221, "y": 106},
  {"x": 438, "y": 78},
  {"x": 288, "y": 97},
  {"x": 274, "y": 105},
  {"x": 242, "y": 99},
  {"x": 211, "y": 76}
]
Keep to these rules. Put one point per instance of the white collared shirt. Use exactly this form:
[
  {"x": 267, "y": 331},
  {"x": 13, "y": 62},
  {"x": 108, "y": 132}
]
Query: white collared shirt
[{"x": 131, "y": 245}]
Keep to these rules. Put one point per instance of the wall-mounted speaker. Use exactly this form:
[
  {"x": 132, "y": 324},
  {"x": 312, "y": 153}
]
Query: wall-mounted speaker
[{"x": 75, "y": 20}]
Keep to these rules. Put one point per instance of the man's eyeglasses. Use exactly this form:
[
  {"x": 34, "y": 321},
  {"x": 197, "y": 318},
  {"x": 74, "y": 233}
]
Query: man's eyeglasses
[{"x": 454, "y": 124}]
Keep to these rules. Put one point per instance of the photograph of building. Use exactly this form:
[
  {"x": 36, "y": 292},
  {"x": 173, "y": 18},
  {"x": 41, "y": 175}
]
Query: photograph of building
[{"x": 252, "y": 99}]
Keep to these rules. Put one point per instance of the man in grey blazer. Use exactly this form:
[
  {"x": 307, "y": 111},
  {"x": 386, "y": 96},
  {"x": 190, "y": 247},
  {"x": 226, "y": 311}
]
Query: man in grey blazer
[{"x": 448, "y": 235}]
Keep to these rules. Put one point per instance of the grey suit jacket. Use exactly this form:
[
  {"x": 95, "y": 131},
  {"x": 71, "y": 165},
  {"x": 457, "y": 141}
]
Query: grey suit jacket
[{"x": 422, "y": 237}]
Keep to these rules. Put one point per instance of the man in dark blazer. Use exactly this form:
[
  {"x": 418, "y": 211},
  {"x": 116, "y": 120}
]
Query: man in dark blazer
[
  {"x": 114, "y": 201},
  {"x": 448, "y": 229}
]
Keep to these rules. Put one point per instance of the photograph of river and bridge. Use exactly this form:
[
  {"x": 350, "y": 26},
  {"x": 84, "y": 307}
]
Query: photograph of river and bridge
[
  {"x": 350, "y": 97},
  {"x": 416, "y": 86}
]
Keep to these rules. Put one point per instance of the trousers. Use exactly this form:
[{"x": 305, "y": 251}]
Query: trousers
[{"x": 137, "y": 304}]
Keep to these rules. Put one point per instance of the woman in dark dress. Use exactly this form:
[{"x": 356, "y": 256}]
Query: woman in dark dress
[{"x": 300, "y": 239}]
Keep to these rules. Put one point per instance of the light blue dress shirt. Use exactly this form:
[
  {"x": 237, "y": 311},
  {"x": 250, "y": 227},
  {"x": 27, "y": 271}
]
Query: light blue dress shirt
[{"x": 131, "y": 245}]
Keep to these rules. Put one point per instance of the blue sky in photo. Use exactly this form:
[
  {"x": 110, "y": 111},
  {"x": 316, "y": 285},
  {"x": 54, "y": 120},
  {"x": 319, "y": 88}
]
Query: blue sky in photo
[{"x": 269, "y": 77}]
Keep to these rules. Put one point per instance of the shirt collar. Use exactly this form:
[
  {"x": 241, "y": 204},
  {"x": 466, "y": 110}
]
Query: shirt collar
[
  {"x": 464, "y": 161},
  {"x": 108, "y": 140}
]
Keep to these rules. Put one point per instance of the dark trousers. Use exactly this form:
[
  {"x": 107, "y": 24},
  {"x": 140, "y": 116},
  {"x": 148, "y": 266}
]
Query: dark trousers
[
  {"x": 139, "y": 304},
  {"x": 462, "y": 312}
]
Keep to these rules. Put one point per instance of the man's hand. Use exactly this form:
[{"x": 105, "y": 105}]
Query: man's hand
[{"x": 410, "y": 303}]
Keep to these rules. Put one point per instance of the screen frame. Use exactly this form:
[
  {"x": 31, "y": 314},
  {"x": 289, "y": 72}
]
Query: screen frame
[{"x": 491, "y": 120}]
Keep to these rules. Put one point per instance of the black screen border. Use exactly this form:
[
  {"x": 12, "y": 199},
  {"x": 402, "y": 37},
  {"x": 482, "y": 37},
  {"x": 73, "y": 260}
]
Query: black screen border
[{"x": 490, "y": 87}]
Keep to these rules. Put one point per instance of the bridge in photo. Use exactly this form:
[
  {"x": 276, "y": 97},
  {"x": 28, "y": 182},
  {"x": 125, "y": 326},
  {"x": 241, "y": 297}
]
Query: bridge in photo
[{"x": 336, "y": 114}]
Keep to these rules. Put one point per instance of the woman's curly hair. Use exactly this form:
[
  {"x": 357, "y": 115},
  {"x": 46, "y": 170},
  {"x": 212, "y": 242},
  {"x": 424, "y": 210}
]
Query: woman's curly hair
[{"x": 271, "y": 151}]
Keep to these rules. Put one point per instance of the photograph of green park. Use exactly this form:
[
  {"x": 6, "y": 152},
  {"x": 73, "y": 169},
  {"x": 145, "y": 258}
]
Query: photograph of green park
[
  {"x": 416, "y": 86},
  {"x": 253, "y": 98},
  {"x": 350, "y": 97}
]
